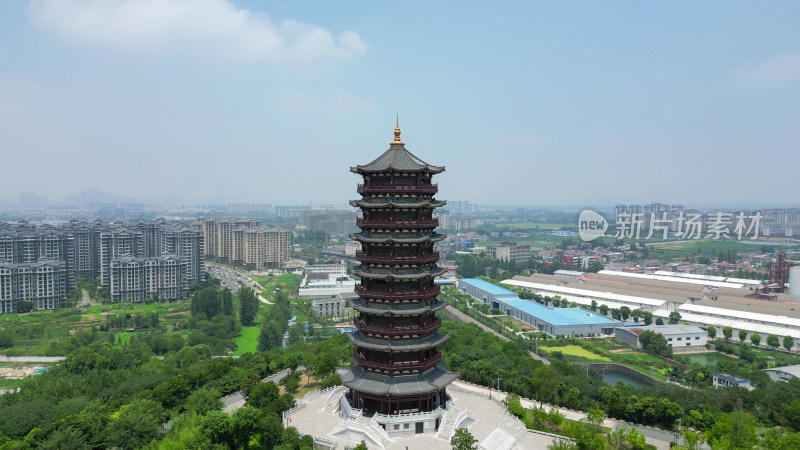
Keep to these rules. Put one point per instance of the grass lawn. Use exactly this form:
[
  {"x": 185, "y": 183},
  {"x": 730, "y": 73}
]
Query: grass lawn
[
  {"x": 579, "y": 352},
  {"x": 306, "y": 386},
  {"x": 247, "y": 342}
]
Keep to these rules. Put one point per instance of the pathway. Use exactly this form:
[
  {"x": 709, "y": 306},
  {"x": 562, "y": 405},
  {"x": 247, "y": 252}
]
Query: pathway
[
  {"x": 464, "y": 318},
  {"x": 234, "y": 401},
  {"x": 656, "y": 437}
]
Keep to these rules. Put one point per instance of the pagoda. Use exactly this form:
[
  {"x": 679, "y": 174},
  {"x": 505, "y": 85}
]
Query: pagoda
[{"x": 399, "y": 371}]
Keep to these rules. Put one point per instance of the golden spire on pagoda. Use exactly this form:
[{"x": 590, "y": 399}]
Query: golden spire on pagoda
[{"x": 397, "y": 142}]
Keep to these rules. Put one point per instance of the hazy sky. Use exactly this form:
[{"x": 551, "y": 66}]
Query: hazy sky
[{"x": 527, "y": 103}]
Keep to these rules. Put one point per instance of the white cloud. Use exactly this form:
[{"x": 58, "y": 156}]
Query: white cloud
[
  {"x": 203, "y": 27},
  {"x": 777, "y": 70}
]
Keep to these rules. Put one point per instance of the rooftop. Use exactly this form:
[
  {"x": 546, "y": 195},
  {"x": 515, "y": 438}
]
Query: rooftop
[
  {"x": 666, "y": 329},
  {"x": 559, "y": 316},
  {"x": 487, "y": 286},
  {"x": 791, "y": 370}
]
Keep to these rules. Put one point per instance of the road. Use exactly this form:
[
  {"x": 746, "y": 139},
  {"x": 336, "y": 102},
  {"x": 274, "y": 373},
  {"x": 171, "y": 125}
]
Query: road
[{"x": 236, "y": 400}]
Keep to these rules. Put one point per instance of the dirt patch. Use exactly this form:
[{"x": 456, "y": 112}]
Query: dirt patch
[{"x": 20, "y": 371}]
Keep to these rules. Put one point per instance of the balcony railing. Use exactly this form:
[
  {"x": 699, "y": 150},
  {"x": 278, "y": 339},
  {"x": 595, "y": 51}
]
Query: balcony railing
[
  {"x": 387, "y": 330},
  {"x": 421, "y": 366},
  {"x": 414, "y": 223},
  {"x": 378, "y": 188},
  {"x": 397, "y": 295},
  {"x": 425, "y": 258}
]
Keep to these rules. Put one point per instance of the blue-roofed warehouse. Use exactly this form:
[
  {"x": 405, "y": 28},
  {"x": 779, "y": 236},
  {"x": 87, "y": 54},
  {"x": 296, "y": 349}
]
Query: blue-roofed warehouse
[{"x": 554, "y": 321}]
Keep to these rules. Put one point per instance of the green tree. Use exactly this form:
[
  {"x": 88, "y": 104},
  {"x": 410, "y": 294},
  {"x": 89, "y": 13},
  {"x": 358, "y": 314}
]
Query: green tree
[
  {"x": 712, "y": 331},
  {"x": 515, "y": 406},
  {"x": 202, "y": 401},
  {"x": 788, "y": 342},
  {"x": 755, "y": 338},
  {"x": 24, "y": 306},
  {"x": 270, "y": 336},
  {"x": 604, "y": 310},
  {"x": 218, "y": 426},
  {"x": 659, "y": 321},
  {"x": 727, "y": 332},
  {"x": 463, "y": 440},
  {"x": 648, "y": 317},
  {"x": 248, "y": 306},
  {"x": 625, "y": 312},
  {"x": 736, "y": 430},
  {"x": 674, "y": 317},
  {"x": 263, "y": 394},
  {"x": 361, "y": 446},
  {"x": 773, "y": 341},
  {"x": 296, "y": 333},
  {"x": 6, "y": 339},
  {"x": 137, "y": 424},
  {"x": 655, "y": 343},
  {"x": 742, "y": 335},
  {"x": 227, "y": 302},
  {"x": 247, "y": 422}
]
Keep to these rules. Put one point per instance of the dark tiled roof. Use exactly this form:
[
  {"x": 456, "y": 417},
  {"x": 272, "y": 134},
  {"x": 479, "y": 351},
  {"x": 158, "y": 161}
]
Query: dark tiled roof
[
  {"x": 397, "y": 345},
  {"x": 398, "y": 159},
  {"x": 362, "y": 305},
  {"x": 399, "y": 274},
  {"x": 431, "y": 381}
]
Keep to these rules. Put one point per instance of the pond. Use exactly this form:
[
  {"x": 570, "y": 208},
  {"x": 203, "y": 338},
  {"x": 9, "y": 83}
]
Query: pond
[
  {"x": 706, "y": 359},
  {"x": 613, "y": 376}
]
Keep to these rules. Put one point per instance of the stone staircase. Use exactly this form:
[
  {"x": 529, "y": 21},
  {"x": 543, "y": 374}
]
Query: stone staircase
[
  {"x": 333, "y": 404},
  {"x": 514, "y": 427},
  {"x": 376, "y": 430},
  {"x": 447, "y": 427}
]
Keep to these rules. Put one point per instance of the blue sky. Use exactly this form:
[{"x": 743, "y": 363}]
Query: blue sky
[{"x": 525, "y": 103}]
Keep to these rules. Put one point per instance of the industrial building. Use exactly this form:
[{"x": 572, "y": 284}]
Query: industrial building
[
  {"x": 679, "y": 337},
  {"x": 784, "y": 373},
  {"x": 701, "y": 300},
  {"x": 554, "y": 321}
]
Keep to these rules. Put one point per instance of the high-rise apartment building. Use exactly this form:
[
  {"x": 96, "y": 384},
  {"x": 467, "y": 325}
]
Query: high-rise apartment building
[
  {"x": 42, "y": 283},
  {"x": 153, "y": 278},
  {"x": 245, "y": 242}
]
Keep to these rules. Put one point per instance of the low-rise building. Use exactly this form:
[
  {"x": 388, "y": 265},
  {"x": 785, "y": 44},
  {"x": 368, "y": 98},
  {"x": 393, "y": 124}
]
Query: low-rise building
[
  {"x": 724, "y": 379},
  {"x": 335, "y": 307},
  {"x": 509, "y": 251},
  {"x": 677, "y": 336},
  {"x": 332, "y": 269}
]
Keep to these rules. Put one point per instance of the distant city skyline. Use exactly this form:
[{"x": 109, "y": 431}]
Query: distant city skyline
[{"x": 550, "y": 105}]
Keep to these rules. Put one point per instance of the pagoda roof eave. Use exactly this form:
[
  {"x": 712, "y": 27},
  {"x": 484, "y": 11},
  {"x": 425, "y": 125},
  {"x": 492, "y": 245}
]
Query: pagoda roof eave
[
  {"x": 397, "y": 159},
  {"x": 411, "y": 309},
  {"x": 397, "y": 345},
  {"x": 433, "y": 380},
  {"x": 368, "y": 203},
  {"x": 433, "y": 237},
  {"x": 399, "y": 274}
]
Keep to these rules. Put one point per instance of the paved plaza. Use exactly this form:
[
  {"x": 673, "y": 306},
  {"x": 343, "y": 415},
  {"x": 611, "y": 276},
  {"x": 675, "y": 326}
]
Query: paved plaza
[{"x": 491, "y": 425}]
